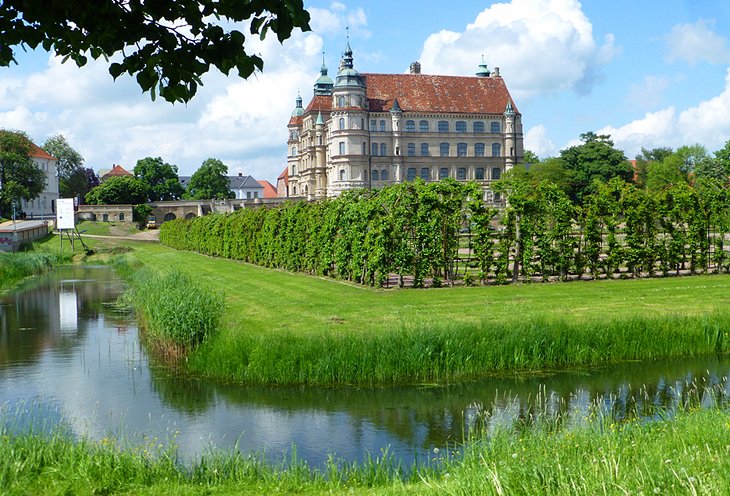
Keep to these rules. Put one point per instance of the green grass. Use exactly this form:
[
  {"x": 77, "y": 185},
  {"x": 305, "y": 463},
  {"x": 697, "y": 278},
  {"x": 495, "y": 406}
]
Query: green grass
[
  {"x": 174, "y": 309},
  {"x": 16, "y": 266},
  {"x": 98, "y": 228},
  {"x": 689, "y": 454},
  {"x": 283, "y": 328}
]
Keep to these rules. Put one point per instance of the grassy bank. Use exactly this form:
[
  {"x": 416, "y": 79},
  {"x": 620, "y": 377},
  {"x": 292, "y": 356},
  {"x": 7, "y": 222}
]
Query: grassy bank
[
  {"x": 283, "y": 328},
  {"x": 687, "y": 455}
]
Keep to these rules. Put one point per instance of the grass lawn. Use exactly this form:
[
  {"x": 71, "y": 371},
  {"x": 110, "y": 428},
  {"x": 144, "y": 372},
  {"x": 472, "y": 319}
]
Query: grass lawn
[{"x": 291, "y": 328}]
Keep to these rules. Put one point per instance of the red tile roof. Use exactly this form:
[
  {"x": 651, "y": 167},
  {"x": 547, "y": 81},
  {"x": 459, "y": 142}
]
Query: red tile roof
[
  {"x": 269, "y": 189},
  {"x": 284, "y": 175},
  {"x": 117, "y": 170},
  {"x": 319, "y": 102},
  {"x": 430, "y": 93},
  {"x": 38, "y": 152}
]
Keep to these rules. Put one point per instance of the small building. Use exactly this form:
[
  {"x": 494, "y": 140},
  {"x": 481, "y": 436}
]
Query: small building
[
  {"x": 45, "y": 204},
  {"x": 245, "y": 187},
  {"x": 115, "y": 171},
  {"x": 105, "y": 213},
  {"x": 269, "y": 189},
  {"x": 282, "y": 184},
  {"x": 13, "y": 235}
]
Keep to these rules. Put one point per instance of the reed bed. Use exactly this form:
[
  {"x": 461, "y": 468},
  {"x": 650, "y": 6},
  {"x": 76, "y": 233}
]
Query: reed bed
[
  {"x": 454, "y": 352},
  {"x": 174, "y": 309},
  {"x": 685, "y": 451},
  {"x": 16, "y": 266}
]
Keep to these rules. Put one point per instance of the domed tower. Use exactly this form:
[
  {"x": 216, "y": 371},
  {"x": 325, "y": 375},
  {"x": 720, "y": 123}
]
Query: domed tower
[
  {"x": 324, "y": 84},
  {"x": 347, "y": 138},
  {"x": 509, "y": 136}
]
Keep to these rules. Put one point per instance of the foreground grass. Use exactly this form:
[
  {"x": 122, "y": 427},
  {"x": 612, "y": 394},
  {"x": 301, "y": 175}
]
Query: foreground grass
[
  {"x": 282, "y": 328},
  {"x": 687, "y": 455}
]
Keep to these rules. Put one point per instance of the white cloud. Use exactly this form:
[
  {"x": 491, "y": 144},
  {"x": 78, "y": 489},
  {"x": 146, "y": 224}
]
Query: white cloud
[
  {"x": 537, "y": 141},
  {"x": 707, "y": 123},
  {"x": 693, "y": 43},
  {"x": 648, "y": 94},
  {"x": 541, "y": 46}
]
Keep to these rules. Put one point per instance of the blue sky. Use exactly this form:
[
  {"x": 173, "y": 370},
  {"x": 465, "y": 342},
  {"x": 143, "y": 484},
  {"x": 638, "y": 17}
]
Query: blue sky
[{"x": 649, "y": 72}]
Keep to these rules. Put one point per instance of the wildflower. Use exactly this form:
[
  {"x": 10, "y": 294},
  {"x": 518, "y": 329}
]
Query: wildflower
[
  {"x": 435, "y": 450},
  {"x": 514, "y": 455},
  {"x": 657, "y": 490}
]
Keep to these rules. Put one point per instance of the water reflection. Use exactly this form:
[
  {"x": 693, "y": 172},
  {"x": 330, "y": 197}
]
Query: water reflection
[{"x": 65, "y": 351}]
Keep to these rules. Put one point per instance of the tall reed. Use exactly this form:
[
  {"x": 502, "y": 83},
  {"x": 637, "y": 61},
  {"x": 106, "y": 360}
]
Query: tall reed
[
  {"x": 175, "y": 309},
  {"x": 452, "y": 352},
  {"x": 16, "y": 266}
]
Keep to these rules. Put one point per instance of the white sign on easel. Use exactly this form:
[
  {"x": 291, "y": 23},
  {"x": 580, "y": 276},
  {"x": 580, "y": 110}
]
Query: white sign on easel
[{"x": 65, "y": 215}]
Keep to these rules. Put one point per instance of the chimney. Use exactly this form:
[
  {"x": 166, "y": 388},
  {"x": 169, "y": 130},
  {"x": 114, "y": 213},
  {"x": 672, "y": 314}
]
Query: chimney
[
  {"x": 496, "y": 72},
  {"x": 415, "y": 68},
  {"x": 240, "y": 174}
]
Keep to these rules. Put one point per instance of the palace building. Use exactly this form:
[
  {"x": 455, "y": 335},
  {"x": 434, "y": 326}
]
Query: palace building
[{"x": 371, "y": 130}]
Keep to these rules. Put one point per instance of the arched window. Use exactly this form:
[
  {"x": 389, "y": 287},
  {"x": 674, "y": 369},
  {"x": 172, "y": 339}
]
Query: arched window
[
  {"x": 342, "y": 123},
  {"x": 443, "y": 173},
  {"x": 479, "y": 173},
  {"x": 373, "y": 124},
  {"x": 168, "y": 216},
  {"x": 496, "y": 173},
  {"x": 444, "y": 149},
  {"x": 294, "y": 190},
  {"x": 342, "y": 174},
  {"x": 478, "y": 127},
  {"x": 494, "y": 127},
  {"x": 374, "y": 151},
  {"x": 383, "y": 175},
  {"x": 496, "y": 150},
  {"x": 383, "y": 150},
  {"x": 478, "y": 149},
  {"x": 382, "y": 125},
  {"x": 425, "y": 173},
  {"x": 342, "y": 147},
  {"x": 411, "y": 149},
  {"x": 364, "y": 148},
  {"x": 443, "y": 126},
  {"x": 461, "y": 174},
  {"x": 341, "y": 101},
  {"x": 460, "y": 126},
  {"x": 374, "y": 176},
  {"x": 423, "y": 126},
  {"x": 294, "y": 170},
  {"x": 121, "y": 216},
  {"x": 461, "y": 149},
  {"x": 411, "y": 174},
  {"x": 410, "y": 126},
  {"x": 424, "y": 149},
  {"x": 293, "y": 150}
]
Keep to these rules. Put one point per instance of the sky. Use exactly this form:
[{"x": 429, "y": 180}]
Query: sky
[{"x": 651, "y": 73}]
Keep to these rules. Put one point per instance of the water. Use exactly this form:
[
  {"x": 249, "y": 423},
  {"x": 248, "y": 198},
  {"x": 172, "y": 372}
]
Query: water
[{"x": 69, "y": 359}]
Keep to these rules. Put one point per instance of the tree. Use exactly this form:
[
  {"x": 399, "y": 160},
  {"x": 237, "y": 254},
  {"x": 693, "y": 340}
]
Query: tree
[
  {"x": 119, "y": 190},
  {"x": 72, "y": 179},
  {"x": 209, "y": 181},
  {"x": 530, "y": 158},
  {"x": 552, "y": 170},
  {"x": 161, "y": 178},
  {"x": 692, "y": 157},
  {"x": 20, "y": 177},
  {"x": 666, "y": 173},
  {"x": 722, "y": 158},
  {"x": 167, "y": 46},
  {"x": 645, "y": 158},
  {"x": 595, "y": 159}
]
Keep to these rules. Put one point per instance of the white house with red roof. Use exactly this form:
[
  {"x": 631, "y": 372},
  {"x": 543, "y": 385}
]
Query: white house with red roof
[
  {"x": 45, "y": 204},
  {"x": 370, "y": 130}
]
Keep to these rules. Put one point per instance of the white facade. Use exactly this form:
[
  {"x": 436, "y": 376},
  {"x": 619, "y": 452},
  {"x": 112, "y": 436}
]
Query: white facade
[
  {"x": 45, "y": 204},
  {"x": 371, "y": 130}
]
